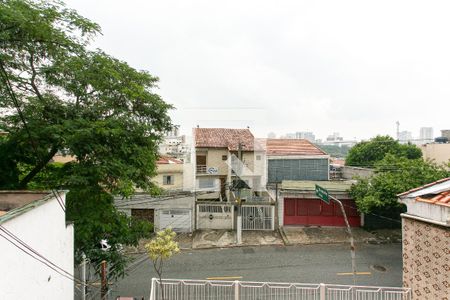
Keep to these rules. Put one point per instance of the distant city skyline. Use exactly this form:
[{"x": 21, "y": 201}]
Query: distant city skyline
[{"x": 295, "y": 66}]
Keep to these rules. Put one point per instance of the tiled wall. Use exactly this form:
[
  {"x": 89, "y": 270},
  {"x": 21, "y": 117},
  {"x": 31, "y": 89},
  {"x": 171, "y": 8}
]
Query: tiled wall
[{"x": 426, "y": 259}]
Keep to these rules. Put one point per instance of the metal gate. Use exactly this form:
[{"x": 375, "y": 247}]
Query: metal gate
[{"x": 258, "y": 217}]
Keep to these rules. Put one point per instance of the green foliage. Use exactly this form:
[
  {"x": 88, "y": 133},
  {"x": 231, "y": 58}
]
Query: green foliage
[
  {"x": 82, "y": 103},
  {"x": 393, "y": 176},
  {"x": 368, "y": 153},
  {"x": 107, "y": 223},
  {"x": 335, "y": 151}
]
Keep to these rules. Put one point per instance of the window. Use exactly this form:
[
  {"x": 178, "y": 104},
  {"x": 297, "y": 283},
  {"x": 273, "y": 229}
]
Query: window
[
  {"x": 168, "y": 179},
  {"x": 205, "y": 183},
  {"x": 258, "y": 157},
  {"x": 224, "y": 157}
]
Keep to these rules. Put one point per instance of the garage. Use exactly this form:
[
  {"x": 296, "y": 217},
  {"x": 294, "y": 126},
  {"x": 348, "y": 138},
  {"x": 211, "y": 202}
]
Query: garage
[
  {"x": 180, "y": 220},
  {"x": 146, "y": 214},
  {"x": 314, "y": 212},
  {"x": 299, "y": 204}
]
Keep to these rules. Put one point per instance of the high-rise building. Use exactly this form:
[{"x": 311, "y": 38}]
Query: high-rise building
[
  {"x": 405, "y": 136},
  {"x": 305, "y": 135},
  {"x": 426, "y": 134}
]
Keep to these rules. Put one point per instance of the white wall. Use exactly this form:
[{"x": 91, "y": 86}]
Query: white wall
[{"x": 44, "y": 229}]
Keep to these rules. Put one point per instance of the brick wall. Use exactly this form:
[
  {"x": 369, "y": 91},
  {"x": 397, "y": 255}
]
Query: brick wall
[{"x": 426, "y": 259}]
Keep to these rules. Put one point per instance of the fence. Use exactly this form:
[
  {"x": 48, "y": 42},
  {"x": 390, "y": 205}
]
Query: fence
[
  {"x": 258, "y": 217},
  {"x": 175, "y": 289}
]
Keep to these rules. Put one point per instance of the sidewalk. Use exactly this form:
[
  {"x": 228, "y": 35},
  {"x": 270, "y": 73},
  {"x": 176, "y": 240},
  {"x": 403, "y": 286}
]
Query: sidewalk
[
  {"x": 225, "y": 238},
  {"x": 323, "y": 235}
]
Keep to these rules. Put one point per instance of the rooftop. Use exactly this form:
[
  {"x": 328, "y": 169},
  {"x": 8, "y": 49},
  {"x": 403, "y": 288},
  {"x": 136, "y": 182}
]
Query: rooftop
[
  {"x": 165, "y": 160},
  {"x": 303, "y": 185},
  {"x": 224, "y": 138},
  {"x": 14, "y": 203},
  {"x": 292, "y": 147}
]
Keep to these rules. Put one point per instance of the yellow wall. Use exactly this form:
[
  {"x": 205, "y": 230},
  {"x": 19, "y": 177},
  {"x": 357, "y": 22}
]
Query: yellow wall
[
  {"x": 176, "y": 170},
  {"x": 439, "y": 153}
]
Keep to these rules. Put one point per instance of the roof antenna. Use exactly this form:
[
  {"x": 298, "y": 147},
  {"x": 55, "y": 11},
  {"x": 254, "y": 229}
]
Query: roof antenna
[{"x": 198, "y": 126}]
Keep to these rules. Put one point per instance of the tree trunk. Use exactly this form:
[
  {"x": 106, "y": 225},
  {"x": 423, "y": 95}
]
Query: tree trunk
[{"x": 40, "y": 165}]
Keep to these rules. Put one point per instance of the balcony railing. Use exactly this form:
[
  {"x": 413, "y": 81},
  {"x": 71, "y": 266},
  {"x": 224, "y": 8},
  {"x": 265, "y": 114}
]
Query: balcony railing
[{"x": 201, "y": 169}]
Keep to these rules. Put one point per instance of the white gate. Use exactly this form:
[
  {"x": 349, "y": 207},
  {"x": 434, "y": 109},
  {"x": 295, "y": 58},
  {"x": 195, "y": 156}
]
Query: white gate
[
  {"x": 258, "y": 217},
  {"x": 178, "y": 219},
  {"x": 215, "y": 216}
]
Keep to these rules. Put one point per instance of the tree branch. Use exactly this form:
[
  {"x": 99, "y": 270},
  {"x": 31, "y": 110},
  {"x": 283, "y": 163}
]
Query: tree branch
[{"x": 40, "y": 165}]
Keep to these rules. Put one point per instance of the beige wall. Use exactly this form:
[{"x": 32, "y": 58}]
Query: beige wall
[
  {"x": 176, "y": 170},
  {"x": 440, "y": 153},
  {"x": 214, "y": 159},
  {"x": 426, "y": 259}
]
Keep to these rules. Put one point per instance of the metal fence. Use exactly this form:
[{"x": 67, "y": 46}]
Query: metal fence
[
  {"x": 258, "y": 217},
  {"x": 175, "y": 289}
]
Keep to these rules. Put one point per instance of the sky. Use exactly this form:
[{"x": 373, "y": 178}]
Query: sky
[{"x": 353, "y": 67}]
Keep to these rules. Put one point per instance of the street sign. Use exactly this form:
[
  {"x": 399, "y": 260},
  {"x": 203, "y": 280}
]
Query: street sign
[{"x": 322, "y": 194}]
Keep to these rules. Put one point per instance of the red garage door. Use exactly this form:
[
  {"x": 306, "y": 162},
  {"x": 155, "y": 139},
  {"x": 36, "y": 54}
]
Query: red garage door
[{"x": 318, "y": 213}]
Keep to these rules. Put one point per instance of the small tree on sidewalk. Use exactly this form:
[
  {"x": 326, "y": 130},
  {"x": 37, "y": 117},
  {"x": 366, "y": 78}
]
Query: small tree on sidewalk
[{"x": 161, "y": 248}]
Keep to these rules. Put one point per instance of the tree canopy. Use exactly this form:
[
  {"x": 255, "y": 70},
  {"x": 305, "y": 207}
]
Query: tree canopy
[
  {"x": 394, "y": 175},
  {"x": 368, "y": 153},
  {"x": 58, "y": 96}
]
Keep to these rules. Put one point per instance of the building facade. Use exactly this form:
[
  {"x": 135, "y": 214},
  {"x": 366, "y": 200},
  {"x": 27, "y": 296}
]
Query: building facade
[
  {"x": 36, "y": 218},
  {"x": 295, "y": 159},
  {"x": 426, "y": 240}
]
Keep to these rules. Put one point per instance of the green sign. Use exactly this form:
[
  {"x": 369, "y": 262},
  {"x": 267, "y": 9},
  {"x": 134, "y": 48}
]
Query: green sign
[{"x": 322, "y": 194}]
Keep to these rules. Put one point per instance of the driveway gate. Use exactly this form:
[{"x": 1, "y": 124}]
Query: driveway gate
[{"x": 258, "y": 217}]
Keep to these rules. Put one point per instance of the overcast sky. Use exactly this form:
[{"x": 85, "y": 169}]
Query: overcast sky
[{"x": 355, "y": 67}]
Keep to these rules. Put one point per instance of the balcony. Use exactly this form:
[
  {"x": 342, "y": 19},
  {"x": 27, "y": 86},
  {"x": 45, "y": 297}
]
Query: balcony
[{"x": 201, "y": 169}]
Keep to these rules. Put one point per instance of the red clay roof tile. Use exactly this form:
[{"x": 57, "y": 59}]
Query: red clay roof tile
[
  {"x": 224, "y": 138},
  {"x": 292, "y": 147}
]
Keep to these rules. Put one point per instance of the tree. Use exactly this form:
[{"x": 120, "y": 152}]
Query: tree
[
  {"x": 367, "y": 153},
  {"x": 57, "y": 96},
  {"x": 394, "y": 175},
  {"x": 162, "y": 248}
]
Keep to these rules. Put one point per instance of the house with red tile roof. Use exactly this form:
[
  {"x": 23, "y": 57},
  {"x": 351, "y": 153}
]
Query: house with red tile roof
[
  {"x": 223, "y": 155},
  {"x": 169, "y": 172},
  {"x": 295, "y": 159},
  {"x": 426, "y": 240}
]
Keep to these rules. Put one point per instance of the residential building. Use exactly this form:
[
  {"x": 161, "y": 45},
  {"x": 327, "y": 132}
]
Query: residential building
[
  {"x": 426, "y": 135},
  {"x": 223, "y": 156},
  {"x": 298, "y": 204},
  {"x": 405, "y": 136},
  {"x": 445, "y": 133},
  {"x": 175, "y": 211},
  {"x": 295, "y": 159},
  {"x": 175, "y": 145},
  {"x": 169, "y": 172},
  {"x": 38, "y": 222},
  {"x": 304, "y": 135},
  {"x": 426, "y": 240},
  {"x": 436, "y": 152}
]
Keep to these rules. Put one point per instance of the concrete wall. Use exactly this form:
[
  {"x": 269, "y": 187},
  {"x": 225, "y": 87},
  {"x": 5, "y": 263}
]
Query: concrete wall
[
  {"x": 214, "y": 159},
  {"x": 158, "y": 204},
  {"x": 426, "y": 254},
  {"x": 44, "y": 229},
  {"x": 439, "y": 153},
  {"x": 349, "y": 172}
]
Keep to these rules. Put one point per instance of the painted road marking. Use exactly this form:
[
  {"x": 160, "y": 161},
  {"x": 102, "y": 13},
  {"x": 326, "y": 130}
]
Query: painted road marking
[
  {"x": 350, "y": 273},
  {"x": 224, "y": 278}
]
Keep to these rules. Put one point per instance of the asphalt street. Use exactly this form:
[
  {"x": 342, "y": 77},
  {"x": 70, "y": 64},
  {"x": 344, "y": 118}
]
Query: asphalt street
[{"x": 378, "y": 265}]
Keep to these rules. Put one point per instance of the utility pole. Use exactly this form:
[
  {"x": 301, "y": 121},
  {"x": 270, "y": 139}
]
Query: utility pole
[
  {"x": 104, "y": 285},
  {"x": 83, "y": 277},
  {"x": 325, "y": 196},
  {"x": 352, "y": 242},
  {"x": 238, "y": 193}
]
